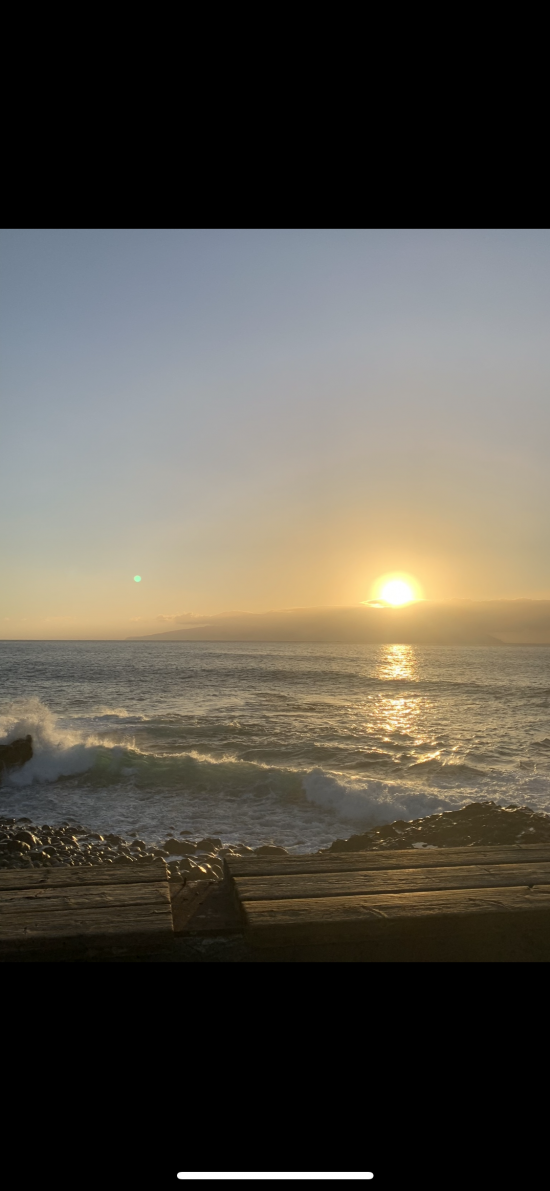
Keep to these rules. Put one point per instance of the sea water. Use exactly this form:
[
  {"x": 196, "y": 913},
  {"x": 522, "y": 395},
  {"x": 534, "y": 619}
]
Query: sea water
[{"x": 270, "y": 743}]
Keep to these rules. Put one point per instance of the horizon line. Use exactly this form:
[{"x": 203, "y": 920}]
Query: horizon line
[{"x": 160, "y": 639}]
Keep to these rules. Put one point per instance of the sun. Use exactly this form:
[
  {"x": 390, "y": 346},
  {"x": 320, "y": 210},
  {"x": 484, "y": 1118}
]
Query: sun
[
  {"x": 396, "y": 589},
  {"x": 397, "y": 592}
]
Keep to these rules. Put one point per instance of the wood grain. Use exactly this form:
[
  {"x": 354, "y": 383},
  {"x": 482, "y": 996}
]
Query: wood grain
[
  {"x": 338, "y": 862},
  {"x": 19, "y": 925},
  {"x": 96, "y": 874},
  {"x": 315, "y": 920},
  {"x": 38, "y": 901},
  {"x": 103, "y": 901},
  {"x": 475, "y": 876}
]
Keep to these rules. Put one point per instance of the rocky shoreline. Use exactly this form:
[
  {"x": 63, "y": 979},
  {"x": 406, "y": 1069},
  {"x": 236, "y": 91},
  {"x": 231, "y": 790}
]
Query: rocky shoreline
[
  {"x": 25, "y": 845},
  {"x": 478, "y": 824}
]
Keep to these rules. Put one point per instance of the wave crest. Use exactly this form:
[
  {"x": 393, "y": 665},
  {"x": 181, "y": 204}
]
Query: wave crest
[
  {"x": 124, "y": 773},
  {"x": 57, "y": 751},
  {"x": 372, "y": 802}
]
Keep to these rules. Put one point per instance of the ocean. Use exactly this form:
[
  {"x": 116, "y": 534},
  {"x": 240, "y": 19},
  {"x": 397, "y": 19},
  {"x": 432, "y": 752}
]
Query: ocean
[{"x": 258, "y": 743}]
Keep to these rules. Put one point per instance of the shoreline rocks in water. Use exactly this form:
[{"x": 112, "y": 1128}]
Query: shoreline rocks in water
[
  {"x": 481, "y": 824},
  {"x": 24, "y": 845},
  {"x": 16, "y": 754}
]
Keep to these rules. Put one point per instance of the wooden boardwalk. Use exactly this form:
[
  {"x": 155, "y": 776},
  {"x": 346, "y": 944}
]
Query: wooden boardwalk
[
  {"x": 100, "y": 905},
  {"x": 383, "y": 904},
  {"x": 345, "y": 897}
]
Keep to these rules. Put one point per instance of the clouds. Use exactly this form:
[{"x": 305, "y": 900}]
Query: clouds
[{"x": 496, "y": 622}]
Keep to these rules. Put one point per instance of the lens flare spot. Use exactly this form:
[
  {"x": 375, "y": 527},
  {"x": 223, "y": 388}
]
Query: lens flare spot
[{"x": 137, "y": 578}]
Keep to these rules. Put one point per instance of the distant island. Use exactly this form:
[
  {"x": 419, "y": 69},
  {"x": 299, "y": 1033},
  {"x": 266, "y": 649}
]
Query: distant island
[{"x": 425, "y": 622}]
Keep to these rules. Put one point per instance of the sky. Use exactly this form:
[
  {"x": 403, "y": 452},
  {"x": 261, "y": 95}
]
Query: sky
[{"x": 255, "y": 420}]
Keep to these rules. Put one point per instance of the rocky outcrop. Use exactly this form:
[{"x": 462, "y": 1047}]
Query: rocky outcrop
[
  {"x": 479, "y": 824},
  {"x": 15, "y": 754}
]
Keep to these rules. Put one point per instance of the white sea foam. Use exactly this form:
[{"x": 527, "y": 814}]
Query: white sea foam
[
  {"x": 242, "y": 761},
  {"x": 373, "y": 803},
  {"x": 57, "y": 751}
]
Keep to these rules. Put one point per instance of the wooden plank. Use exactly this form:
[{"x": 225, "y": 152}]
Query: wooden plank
[
  {"x": 338, "y": 862},
  {"x": 94, "y": 874},
  {"x": 474, "y": 876},
  {"x": 116, "y": 921},
  {"x": 319, "y": 920},
  {"x": 38, "y": 901}
]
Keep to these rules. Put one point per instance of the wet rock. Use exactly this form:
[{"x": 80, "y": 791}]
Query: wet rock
[
  {"x": 200, "y": 872},
  {"x": 25, "y": 837},
  {"x": 270, "y": 850},
  {"x": 236, "y": 850},
  {"x": 177, "y": 847},
  {"x": 17, "y": 845},
  {"x": 184, "y": 866},
  {"x": 216, "y": 868},
  {"x": 13, "y": 755},
  {"x": 208, "y": 845},
  {"x": 480, "y": 824}
]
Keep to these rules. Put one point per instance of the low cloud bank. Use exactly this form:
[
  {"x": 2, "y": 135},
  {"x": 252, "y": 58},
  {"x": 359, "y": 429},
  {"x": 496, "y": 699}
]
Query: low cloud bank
[{"x": 462, "y": 622}]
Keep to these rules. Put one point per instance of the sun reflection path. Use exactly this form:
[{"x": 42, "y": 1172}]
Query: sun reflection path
[
  {"x": 399, "y": 713},
  {"x": 397, "y": 661},
  {"x": 399, "y": 716}
]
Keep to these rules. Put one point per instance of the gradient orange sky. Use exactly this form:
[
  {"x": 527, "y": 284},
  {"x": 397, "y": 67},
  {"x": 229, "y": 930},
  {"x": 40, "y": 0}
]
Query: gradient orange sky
[{"x": 265, "y": 419}]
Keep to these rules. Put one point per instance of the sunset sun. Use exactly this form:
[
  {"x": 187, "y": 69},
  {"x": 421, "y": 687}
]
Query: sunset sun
[
  {"x": 397, "y": 592},
  {"x": 396, "y": 589}
]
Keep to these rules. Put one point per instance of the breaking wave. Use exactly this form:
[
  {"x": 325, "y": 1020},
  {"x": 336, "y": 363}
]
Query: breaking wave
[
  {"x": 57, "y": 751},
  {"x": 67, "y": 756}
]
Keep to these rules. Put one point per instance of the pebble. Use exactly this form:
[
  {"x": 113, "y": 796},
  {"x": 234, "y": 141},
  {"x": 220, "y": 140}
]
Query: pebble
[
  {"x": 23, "y": 845},
  {"x": 176, "y": 847},
  {"x": 25, "y": 837}
]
